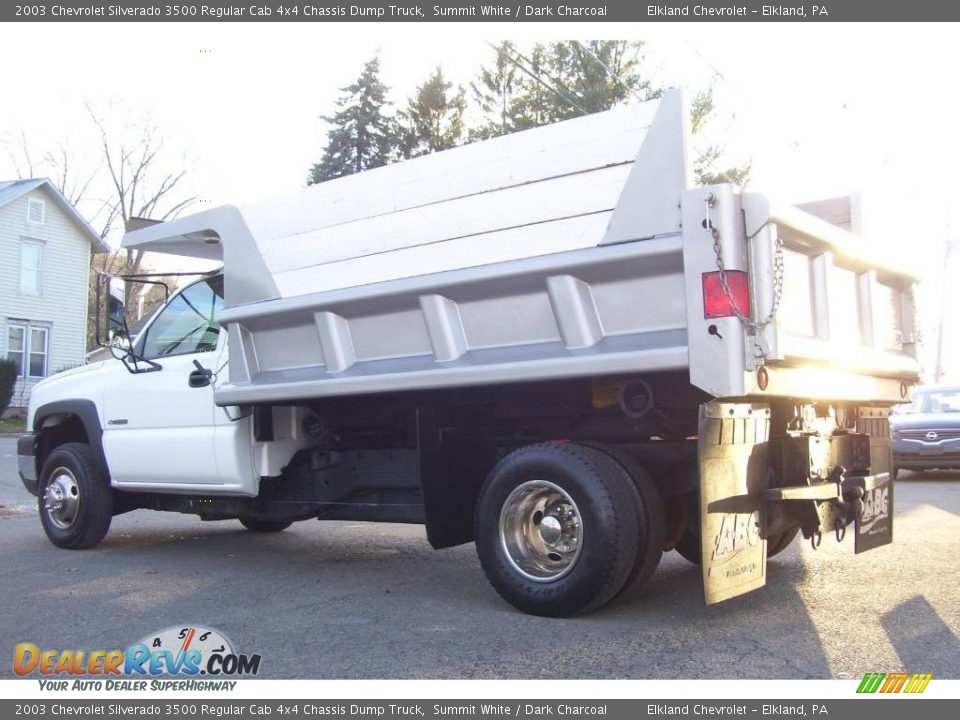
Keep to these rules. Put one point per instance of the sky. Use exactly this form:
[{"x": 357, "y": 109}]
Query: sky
[{"x": 819, "y": 110}]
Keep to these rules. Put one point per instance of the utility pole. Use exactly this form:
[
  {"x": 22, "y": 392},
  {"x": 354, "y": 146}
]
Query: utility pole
[{"x": 947, "y": 248}]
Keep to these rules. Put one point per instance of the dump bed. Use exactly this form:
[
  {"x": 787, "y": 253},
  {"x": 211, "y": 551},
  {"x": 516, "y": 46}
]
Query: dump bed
[{"x": 573, "y": 250}]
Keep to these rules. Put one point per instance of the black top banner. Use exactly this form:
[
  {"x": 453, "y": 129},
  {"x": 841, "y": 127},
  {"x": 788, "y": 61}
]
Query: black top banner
[{"x": 504, "y": 11}]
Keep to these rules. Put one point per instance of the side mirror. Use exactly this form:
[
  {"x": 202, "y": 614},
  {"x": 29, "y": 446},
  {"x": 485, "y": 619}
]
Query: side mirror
[
  {"x": 118, "y": 336},
  {"x": 120, "y": 343},
  {"x": 111, "y": 320}
]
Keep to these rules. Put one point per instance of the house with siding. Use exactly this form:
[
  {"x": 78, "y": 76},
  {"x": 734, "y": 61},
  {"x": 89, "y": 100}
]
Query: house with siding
[{"x": 45, "y": 247}]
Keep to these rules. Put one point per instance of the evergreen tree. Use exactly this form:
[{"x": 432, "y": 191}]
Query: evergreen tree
[
  {"x": 544, "y": 99},
  {"x": 495, "y": 91},
  {"x": 568, "y": 79},
  {"x": 362, "y": 136},
  {"x": 705, "y": 166},
  {"x": 433, "y": 119},
  {"x": 602, "y": 74},
  {"x": 590, "y": 77}
]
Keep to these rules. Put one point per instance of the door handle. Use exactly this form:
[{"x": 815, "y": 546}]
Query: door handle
[{"x": 200, "y": 377}]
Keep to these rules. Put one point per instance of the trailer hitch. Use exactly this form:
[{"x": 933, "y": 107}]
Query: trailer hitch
[
  {"x": 836, "y": 501},
  {"x": 840, "y": 529}
]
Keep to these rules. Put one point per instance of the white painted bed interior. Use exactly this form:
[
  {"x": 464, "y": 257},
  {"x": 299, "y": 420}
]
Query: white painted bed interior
[{"x": 535, "y": 192}]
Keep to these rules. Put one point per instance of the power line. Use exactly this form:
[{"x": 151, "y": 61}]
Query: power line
[
  {"x": 610, "y": 72},
  {"x": 705, "y": 61},
  {"x": 633, "y": 92},
  {"x": 536, "y": 78},
  {"x": 502, "y": 50}
]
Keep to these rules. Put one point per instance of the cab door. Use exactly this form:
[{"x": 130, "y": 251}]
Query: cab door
[{"x": 159, "y": 426}]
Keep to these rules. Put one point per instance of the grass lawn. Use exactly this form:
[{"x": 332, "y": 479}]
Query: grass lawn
[{"x": 11, "y": 425}]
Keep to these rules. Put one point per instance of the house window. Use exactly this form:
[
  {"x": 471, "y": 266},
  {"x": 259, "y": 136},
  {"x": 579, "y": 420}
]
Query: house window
[
  {"x": 17, "y": 345},
  {"x": 31, "y": 262},
  {"x": 36, "y": 211},
  {"x": 27, "y": 346}
]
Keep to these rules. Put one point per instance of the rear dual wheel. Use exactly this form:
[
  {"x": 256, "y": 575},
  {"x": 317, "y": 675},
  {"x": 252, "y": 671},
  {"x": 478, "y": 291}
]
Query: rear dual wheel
[
  {"x": 562, "y": 528},
  {"x": 650, "y": 503}
]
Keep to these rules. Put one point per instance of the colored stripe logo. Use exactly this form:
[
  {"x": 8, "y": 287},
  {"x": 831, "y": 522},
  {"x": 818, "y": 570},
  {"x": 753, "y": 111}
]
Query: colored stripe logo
[{"x": 894, "y": 683}]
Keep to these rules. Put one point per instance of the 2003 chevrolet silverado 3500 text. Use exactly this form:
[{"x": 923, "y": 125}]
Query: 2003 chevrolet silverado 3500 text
[{"x": 547, "y": 343}]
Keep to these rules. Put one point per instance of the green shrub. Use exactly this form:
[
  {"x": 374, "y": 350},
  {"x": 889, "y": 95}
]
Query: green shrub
[{"x": 8, "y": 378}]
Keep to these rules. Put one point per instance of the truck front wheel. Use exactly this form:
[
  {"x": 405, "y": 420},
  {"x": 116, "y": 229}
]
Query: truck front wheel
[
  {"x": 557, "y": 528},
  {"x": 76, "y": 502}
]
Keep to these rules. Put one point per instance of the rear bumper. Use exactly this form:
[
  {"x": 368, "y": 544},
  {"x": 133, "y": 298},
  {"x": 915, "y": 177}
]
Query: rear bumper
[{"x": 26, "y": 462}]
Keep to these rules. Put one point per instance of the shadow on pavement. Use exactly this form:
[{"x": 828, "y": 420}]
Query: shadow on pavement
[
  {"x": 374, "y": 601},
  {"x": 922, "y": 640}
]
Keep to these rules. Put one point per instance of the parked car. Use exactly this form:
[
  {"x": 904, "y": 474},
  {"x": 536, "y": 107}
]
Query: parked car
[{"x": 926, "y": 431}]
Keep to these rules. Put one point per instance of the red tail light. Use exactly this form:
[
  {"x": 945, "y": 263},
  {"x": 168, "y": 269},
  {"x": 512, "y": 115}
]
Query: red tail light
[{"x": 716, "y": 304}]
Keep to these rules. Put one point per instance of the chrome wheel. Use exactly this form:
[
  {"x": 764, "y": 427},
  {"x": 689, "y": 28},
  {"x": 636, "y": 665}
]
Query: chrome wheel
[
  {"x": 541, "y": 531},
  {"x": 61, "y": 498}
]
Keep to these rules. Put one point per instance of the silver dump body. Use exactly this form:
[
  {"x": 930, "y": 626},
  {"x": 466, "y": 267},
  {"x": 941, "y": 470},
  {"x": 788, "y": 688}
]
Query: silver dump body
[{"x": 573, "y": 250}]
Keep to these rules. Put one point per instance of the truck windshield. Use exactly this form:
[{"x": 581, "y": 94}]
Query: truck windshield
[{"x": 188, "y": 324}]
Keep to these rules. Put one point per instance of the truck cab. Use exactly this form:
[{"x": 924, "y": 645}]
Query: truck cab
[{"x": 161, "y": 400}]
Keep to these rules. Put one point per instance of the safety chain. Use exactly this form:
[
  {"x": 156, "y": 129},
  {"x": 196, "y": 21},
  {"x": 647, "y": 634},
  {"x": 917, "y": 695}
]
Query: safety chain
[
  {"x": 215, "y": 375},
  {"x": 214, "y": 380},
  {"x": 755, "y": 327}
]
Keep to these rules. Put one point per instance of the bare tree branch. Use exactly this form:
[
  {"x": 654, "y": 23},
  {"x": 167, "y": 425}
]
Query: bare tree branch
[
  {"x": 175, "y": 210},
  {"x": 13, "y": 160},
  {"x": 26, "y": 154},
  {"x": 133, "y": 177},
  {"x": 68, "y": 180},
  {"x": 132, "y": 168},
  {"x": 132, "y": 160},
  {"x": 22, "y": 160}
]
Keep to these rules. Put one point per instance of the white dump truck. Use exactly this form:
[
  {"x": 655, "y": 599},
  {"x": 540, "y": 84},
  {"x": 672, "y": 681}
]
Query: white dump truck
[{"x": 550, "y": 344}]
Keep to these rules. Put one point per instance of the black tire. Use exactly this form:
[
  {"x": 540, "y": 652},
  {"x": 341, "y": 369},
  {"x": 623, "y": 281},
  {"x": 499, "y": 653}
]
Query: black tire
[
  {"x": 654, "y": 528},
  {"x": 265, "y": 526},
  {"x": 777, "y": 545},
  {"x": 609, "y": 516},
  {"x": 73, "y": 474},
  {"x": 689, "y": 545}
]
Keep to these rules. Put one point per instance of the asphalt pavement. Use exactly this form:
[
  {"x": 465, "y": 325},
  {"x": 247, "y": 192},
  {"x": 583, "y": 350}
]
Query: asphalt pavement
[{"x": 363, "y": 600}]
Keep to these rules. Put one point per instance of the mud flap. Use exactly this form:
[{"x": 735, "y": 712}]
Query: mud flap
[
  {"x": 874, "y": 526},
  {"x": 455, "y": 454},
  {"x": 732, "y": 454}
]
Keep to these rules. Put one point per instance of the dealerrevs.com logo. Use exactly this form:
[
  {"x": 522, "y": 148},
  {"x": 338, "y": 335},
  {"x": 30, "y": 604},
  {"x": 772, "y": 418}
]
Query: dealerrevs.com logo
[{"x": 180, "y": 651}]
